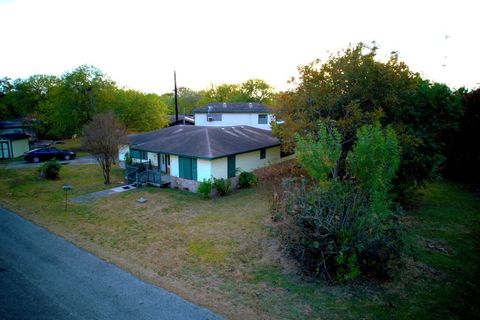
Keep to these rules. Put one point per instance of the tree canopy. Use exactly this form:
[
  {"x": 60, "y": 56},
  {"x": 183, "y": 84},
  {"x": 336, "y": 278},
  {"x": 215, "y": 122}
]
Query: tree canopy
[
  {"x": 353, "y": 88},
  {"x": 63, "y": 105}
]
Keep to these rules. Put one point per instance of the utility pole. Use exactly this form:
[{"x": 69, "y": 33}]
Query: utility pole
[{"x": 176, "y": 99}]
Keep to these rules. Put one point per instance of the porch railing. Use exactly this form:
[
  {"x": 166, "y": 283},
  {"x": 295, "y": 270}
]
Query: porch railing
[{"x": 140, "y": 175}]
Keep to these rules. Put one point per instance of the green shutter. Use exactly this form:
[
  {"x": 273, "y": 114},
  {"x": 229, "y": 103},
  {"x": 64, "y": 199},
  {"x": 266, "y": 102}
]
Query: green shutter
[
  {"x": 180, "y": 167},
  {"x": 187, "y": 168},
  {"x": 231, "y": 166},
  {"x": 194, "y": 169}
]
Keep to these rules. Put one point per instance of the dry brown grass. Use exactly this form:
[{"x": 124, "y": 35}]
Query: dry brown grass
[{"x": 223, "y": 253}]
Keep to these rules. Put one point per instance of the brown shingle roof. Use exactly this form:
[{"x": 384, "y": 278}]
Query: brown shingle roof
[{"x": 203, "y": 141}]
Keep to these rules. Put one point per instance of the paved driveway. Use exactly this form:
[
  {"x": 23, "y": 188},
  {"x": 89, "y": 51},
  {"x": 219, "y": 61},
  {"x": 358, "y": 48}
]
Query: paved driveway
[
  {"x": 22, "y": 164},
  {"x": 43, "y": 276}
]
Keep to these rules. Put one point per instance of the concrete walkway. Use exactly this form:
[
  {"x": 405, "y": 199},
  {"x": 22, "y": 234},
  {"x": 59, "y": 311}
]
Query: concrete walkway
[
  {"x": 42, "y": 276},
  {"x": 100, "y": 194}
]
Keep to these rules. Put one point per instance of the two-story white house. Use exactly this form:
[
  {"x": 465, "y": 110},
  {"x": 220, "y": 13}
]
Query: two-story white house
[{"x": 234, "y": 114}]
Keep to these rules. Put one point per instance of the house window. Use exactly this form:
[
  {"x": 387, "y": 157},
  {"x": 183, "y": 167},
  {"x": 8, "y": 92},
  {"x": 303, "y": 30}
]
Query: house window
[
  {"x": 214, "y": 117},
  {"x": 262, "y": 119},
  {"x": 263, "y": 153}
]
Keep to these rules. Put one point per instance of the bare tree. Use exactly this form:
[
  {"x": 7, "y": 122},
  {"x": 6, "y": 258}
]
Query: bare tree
[{"x": 101, "y": 137}]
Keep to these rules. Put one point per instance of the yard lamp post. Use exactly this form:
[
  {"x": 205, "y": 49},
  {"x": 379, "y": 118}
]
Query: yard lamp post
[{"x": 66, "y": 188}]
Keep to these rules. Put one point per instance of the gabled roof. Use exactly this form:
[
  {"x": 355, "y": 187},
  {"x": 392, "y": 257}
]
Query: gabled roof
[
  {"x": 204, "y": 141},
  {"x": 14, "y": 136},
  {"x": 10, "y": 124},
  {"x": 233, "y": 107}
]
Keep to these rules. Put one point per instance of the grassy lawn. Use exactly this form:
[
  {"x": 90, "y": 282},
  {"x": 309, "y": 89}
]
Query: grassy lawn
[
  {"x": 7, "y": 161},
  {"x": 74, "y": 145},
  {"x": 222, "y": 253}
]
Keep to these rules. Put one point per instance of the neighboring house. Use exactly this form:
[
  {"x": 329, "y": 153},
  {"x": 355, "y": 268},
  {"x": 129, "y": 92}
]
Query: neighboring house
[
  {"x": 182, "y": 119},
  {"x": 186, "y": 155},
  {"x": 13, "y": 145},
  {"x": 234, "y": 114},
  {"x": 17, "y": 126}
]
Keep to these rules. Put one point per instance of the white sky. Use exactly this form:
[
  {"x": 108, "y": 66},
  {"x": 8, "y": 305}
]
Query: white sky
[{"x": 139, "y": 43}]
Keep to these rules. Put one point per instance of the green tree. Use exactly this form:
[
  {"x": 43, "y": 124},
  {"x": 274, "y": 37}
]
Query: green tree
[
  {"x": 353, "y": 88},
  {"x": 462, "y": 149},
  {"x": 222, "y": 93},
  {"x": 187, "y": 98},
  {"x": 253, "y": 90},
  {"x": 78, "y": 97},
  {"x": 257, "y": 90},
  {"x": 140, "y": 111},
  {"x": 31, "y": 92},
  {"x": 5, "y": 108}
]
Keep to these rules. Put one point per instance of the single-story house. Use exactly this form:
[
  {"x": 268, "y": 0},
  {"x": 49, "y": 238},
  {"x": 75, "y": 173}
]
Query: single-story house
[
  {"x": 13, "y": 145},
  {"x": 186, "y": 155},
  {"x": 234, "y": 114}
]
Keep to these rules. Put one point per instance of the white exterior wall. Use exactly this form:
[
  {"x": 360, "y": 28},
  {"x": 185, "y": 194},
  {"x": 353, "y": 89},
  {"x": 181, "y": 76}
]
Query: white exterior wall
[
  {"x": 204, "y": 169},
  {"x": 174, "y": 171},
  {"x": 122, "y": 151},
  {"x": 234, "y": 119},
  {"x": 219, "y": 168},
  {"x": 251, "y": 160},
  {"x": 19, "y": 147}
]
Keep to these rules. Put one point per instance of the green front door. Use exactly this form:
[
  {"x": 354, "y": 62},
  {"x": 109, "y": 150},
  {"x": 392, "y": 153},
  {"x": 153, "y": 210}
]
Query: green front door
[
  {"x": 231, "y": 166},
  {"x": 187, "y": 168}
]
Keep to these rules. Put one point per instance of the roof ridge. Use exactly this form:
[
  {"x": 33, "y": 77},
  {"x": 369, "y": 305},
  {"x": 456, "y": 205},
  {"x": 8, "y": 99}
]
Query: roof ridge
[{"x": 209, "y": 148}]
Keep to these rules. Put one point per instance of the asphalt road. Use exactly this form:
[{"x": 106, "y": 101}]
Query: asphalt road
[
  {"x": 42, "y": 276},
  {"x": 23, "y": 164}
]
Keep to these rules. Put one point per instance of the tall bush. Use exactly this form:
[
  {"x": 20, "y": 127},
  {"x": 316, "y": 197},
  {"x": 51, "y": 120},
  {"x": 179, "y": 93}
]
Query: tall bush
[
  {"x": 373, "y": 162},
  {"x": 205, "y": 188},
  {"x": 343, "y": 228},
  {"x": 319, "y": 155},
  {"x": 247, "y": 179},
  {"x": 222, "y": 186}
]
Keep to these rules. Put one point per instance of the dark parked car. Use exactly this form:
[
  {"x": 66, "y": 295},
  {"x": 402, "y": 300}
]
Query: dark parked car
[{"x": 43, "y": 154}]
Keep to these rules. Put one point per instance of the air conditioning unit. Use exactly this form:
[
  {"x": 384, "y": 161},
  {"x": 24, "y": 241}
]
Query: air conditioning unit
[{"x": 210, "y": 119}]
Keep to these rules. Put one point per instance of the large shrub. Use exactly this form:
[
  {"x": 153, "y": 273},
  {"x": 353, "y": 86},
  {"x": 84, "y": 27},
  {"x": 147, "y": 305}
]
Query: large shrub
[
  {"x": 205, "y": 188},
  {"x": 50, "y": 169},
  {"x": 319, "y": 155},
  {"x": 222, "y": 186},
  {"x": 342, "y": 228},
  {"x": 373, "y": 161},
  {"x": 247, "y": 179}
]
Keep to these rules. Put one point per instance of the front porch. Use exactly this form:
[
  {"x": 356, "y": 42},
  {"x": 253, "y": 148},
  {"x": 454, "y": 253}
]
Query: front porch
[{"x": 145, "y": 174}]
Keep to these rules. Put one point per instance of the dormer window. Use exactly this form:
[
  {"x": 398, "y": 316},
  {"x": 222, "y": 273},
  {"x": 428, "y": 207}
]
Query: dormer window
[{"x": 262, "y": 119}]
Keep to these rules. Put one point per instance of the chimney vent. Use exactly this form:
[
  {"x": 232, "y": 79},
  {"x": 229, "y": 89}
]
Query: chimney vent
[
  {"x": 250, "y": 105},
  {"x": 224, "y": 104}
]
